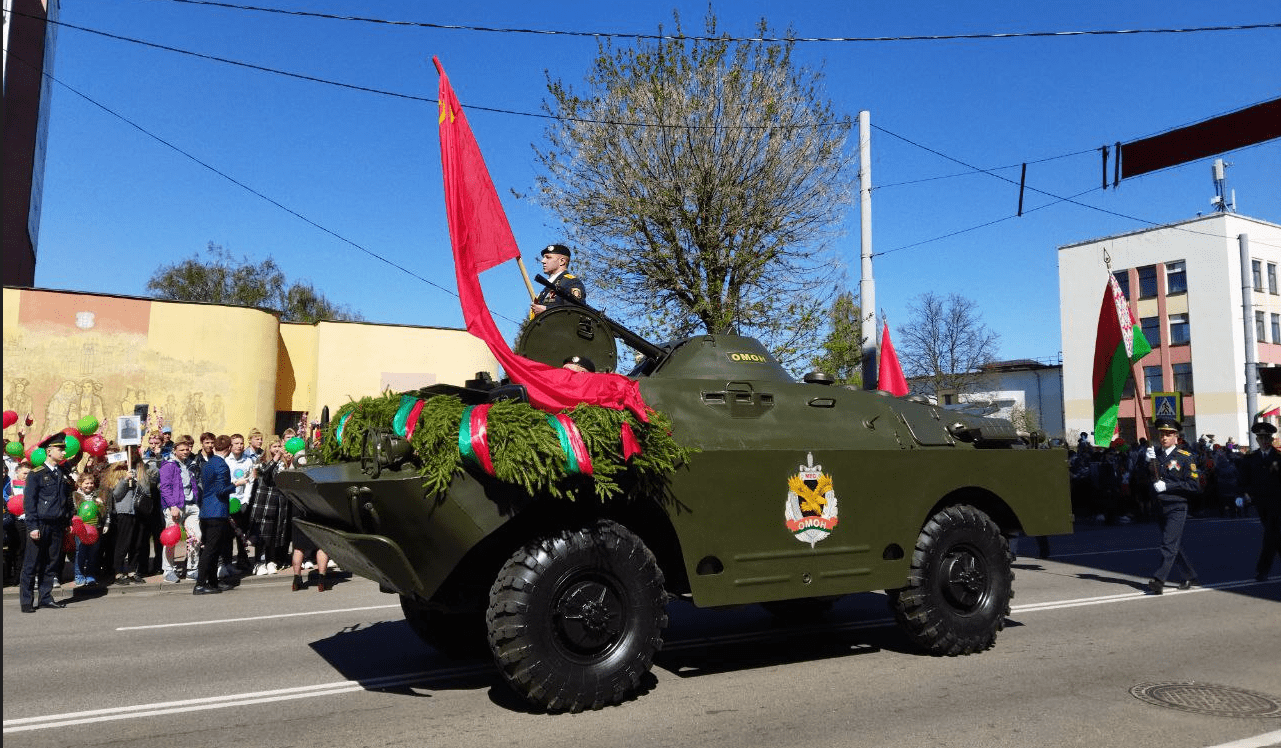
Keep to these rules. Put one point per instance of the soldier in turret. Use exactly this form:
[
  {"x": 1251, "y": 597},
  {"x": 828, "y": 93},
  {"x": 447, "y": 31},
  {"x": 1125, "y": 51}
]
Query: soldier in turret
[{"x": 555, "y": 259}]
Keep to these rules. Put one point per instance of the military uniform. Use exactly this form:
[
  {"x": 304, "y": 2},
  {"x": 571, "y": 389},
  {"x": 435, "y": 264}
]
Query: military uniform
[
  {"x": 48, "y": 505},
  {"x": 1261, "y": 477},
  {"x": 1177, "y": 469},
  {"x": 565, "y": 284}
]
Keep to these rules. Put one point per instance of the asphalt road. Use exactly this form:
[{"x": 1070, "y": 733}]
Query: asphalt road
[{"x": 263, "y": 666}]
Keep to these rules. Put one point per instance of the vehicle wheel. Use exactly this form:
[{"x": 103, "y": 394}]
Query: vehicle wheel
[
  {"x": 575, "y": 617},
  {"x": 959, "y": 587},
  {"x": 456, "y": 635}
]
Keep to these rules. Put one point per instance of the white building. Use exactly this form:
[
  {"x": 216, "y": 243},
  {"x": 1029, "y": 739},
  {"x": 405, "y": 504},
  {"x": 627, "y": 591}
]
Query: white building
[
  {"x": 1184, "y": 285},
  {"x": 1035, "y": 387}
]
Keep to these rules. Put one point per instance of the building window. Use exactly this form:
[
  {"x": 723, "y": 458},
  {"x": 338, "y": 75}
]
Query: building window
[
  {"x": 1272, "y": 278},
  {"x": 1147, "y": 281},
  {"x": 1182, "y": 378},
  {"x": 1123, "y": 280},
  {"x": 1176, "y": 278},
  {"x": 1276, "y": 328},
  {"x": 1152, "y": 379},
  {"x": 1258, "y": 328},
  {"x": 1179, "y": 333},
  {"x": 1257, "y": 268},
  {"x": 1152, "y": 330}
]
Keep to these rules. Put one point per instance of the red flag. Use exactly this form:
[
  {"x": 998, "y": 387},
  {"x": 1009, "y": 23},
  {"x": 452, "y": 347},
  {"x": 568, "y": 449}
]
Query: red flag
[
  {"x": 482, "y": 238},
  {"x": 890, "y": 377}
]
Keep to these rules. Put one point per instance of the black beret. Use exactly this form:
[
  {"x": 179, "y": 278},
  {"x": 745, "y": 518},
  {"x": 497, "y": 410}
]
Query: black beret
[
  {"x": 582, "y": 361},
  {"x": 556, "y": 249},
  {"x": 1263, "y": 428},
  {"x": 1168, "y": 424}
]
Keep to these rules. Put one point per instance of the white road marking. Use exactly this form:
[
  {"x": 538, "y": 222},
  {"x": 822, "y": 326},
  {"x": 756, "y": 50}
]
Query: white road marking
[
  {"x": 255, "y": 618},
  {"x": 1258, "y": 741},
  {"x": 348, "y": 686}
]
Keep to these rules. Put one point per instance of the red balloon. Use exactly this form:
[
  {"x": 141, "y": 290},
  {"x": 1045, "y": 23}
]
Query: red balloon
[
  {"x": 79, "y": 531},
  {"x": 28, "y": 452},
  {"x": 10, "y": 418},
  {"x": 69, "y": 542},
  {"x": 170, "y": 536},
  {"x": 15, "y": 505},
  {"x": 71, "y": 431},
  {"x": 95, "y": 445},
  {"x": 76, "y": 524},
  {"x": 90, "y": 535}
]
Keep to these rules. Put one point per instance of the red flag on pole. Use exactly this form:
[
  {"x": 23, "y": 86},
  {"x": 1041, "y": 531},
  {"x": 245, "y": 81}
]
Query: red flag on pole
[
  {"x": 481, "y": 239},
  {"x": 890, "y": 377}
]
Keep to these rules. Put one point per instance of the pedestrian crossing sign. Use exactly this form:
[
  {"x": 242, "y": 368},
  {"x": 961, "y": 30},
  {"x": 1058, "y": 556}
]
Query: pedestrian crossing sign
[{"x": 1167, "y": 405}]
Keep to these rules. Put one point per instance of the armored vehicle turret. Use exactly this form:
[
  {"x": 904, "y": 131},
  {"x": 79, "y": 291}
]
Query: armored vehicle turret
[{"x": 785, "y": 493}]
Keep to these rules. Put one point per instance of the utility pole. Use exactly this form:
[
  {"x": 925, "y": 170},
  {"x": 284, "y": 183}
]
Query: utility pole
[
  {"x": 867, "y": 286},
  {"x": 1247, "y": 314}
]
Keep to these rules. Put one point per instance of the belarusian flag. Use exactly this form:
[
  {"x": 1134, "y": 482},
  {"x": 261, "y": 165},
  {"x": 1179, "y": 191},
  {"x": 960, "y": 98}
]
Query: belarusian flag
[
  {"x": 1116, "y": 349},
  {"x": 1267, "y": 412}
]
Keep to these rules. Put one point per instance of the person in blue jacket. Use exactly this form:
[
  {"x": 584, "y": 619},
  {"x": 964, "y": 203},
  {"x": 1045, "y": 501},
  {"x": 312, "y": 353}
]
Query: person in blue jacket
[{"x": 216, "y": 489}]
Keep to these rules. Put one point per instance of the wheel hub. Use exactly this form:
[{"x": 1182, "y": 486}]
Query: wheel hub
[
  {"x": 589, "y": 617},
  {"x": 965, "y": 579}
]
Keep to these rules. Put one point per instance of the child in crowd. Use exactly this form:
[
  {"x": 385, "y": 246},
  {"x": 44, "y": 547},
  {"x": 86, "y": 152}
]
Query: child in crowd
[{"x": 86, "y": 564}]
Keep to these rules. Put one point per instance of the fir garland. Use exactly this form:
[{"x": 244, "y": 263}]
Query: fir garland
[{"x": 525, "y": 448}]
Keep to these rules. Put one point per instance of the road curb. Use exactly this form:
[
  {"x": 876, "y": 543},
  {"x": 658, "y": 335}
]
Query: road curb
[{"x": 156, "y": 584}]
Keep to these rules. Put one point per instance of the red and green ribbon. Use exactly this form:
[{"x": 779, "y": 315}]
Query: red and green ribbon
[
  {"x": 411, "y": 422},
  {"x": 341, "y": 424},
  {"x": 577, "y": 458},
  {"x": 402, "y": 414},
  {"x": 473, "y": 437}
]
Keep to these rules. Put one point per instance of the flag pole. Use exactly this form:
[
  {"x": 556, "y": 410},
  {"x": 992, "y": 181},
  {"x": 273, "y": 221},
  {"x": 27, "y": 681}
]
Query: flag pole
[
  {"x": 1141, "y": 427},
  {"x": 525, "y": 274}
]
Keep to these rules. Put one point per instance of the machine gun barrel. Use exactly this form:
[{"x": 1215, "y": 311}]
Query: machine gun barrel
[{"x": 627, "y": 336}]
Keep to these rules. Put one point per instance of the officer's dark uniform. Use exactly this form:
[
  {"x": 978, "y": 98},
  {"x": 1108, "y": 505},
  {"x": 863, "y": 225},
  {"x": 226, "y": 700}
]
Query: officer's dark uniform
[
  {"x": 1179, "y": 472},
  {"x": 1261, "y": 476},
  {"x": 48, "y": 506},
  {"x": 565, "y": 284}
]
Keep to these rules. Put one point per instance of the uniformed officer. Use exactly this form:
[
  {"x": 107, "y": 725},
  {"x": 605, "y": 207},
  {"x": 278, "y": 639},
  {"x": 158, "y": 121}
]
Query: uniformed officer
[
  {"x": 555, "y": 260},
  {"x": 48, "y": 505},
  {"x": 579, "y": 363},
  {"x": 1261, "y": 476},
  {"x": 1176, "y": 481}
]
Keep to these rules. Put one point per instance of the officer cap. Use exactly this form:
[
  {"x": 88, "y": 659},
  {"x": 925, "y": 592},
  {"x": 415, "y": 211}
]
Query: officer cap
[
  {"x": 1263, "y": 428},
  {"x": 1168, "y": 424},
  {"x": 556, "y": 249},
  {"x": 57, "y": 440},
  {"x": 582, "y": 361}
]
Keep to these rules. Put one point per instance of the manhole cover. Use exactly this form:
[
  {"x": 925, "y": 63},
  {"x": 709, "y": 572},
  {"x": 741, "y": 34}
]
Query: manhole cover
[{"x": 1207, "y": 698}]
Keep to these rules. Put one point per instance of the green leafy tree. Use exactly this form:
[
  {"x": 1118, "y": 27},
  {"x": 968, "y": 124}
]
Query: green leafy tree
[
  {"x": 222, "y": 279},
  {"x": 842, "y": 352},
  {"x": 945, "y": 346},
  {"x": 703, "y": 182}
]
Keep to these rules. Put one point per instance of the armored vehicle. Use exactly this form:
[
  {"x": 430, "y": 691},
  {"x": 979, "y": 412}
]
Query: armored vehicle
[{"x": 790, "y": 494}]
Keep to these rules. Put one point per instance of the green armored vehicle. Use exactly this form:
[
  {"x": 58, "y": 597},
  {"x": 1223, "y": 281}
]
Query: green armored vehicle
[{"x": 766, "y": 490}]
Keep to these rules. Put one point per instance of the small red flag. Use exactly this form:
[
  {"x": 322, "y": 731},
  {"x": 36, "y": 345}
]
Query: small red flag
[
  {"x": 890, "y": 377},
  {"x": 481, "y": 239}
]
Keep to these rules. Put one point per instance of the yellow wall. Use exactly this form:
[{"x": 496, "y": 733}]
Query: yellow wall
[{"x": 205, "y": 367}]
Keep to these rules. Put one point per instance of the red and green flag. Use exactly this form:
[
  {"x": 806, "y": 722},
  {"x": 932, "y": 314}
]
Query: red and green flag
[{"x": 1116, "y": 349}]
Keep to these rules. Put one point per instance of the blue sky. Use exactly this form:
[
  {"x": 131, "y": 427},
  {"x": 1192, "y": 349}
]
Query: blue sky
[{"x": 117, "y": 204}]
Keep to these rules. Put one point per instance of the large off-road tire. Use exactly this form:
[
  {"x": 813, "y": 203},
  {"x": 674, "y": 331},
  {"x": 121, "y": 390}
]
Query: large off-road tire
[
  {"x": 576, "y": 616},
  {"x": 456, "y": 635},
  {"x": 960, "y": 584}
]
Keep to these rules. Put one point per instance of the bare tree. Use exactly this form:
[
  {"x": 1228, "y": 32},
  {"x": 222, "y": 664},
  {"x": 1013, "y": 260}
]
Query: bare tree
[
  {"x": 703, "y": 181},
  {"x": 945, "y": 345}
]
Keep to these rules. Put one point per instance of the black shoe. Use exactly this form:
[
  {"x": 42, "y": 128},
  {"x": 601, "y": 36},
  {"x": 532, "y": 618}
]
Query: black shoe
[
  {"x": 1188, "y": 584},
  {"x": 52, "y": 604},
  {"x": 299, "y": 584},
  {"x": 28, "y": 609},
  {"x": 224, "y": 586},
  {"x": 1156, "y": 586},
  {"x": 201, "y": 589},
  {"x": 135, "y": 579},
  {"x": 122, "y": 580}
]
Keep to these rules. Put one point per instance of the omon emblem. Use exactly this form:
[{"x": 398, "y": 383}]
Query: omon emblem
[{"x": 811, "y": 503}]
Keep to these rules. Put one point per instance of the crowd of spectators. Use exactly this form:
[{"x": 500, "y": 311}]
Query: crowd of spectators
[
  {"x": 1112, "y": 484},
  {"x": 140, "y": 491}
]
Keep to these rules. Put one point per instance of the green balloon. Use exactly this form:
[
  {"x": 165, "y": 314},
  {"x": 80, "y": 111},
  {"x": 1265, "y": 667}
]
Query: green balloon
[
  {"x": 72, "y": 446},
  {"x": 37, "y": 456},
  {"x": 235, "y": 505},
  {"x": 88, "y": 512},
  {"x": 295, "y": 444},
  {"x": 87, "y": 425},
  {"x": 13, "y": 449}
]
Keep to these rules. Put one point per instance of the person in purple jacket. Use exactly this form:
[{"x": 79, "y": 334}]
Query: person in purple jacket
[
  {"x": 215, "y": 512},
  {"x": 180, "y": 505}
]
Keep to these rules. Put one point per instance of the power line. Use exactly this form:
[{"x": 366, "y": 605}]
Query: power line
[
  {"x": 981, "y": 171},
  {"x": 240, "y": 184},
  {"x": 731, "y": 39}
]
